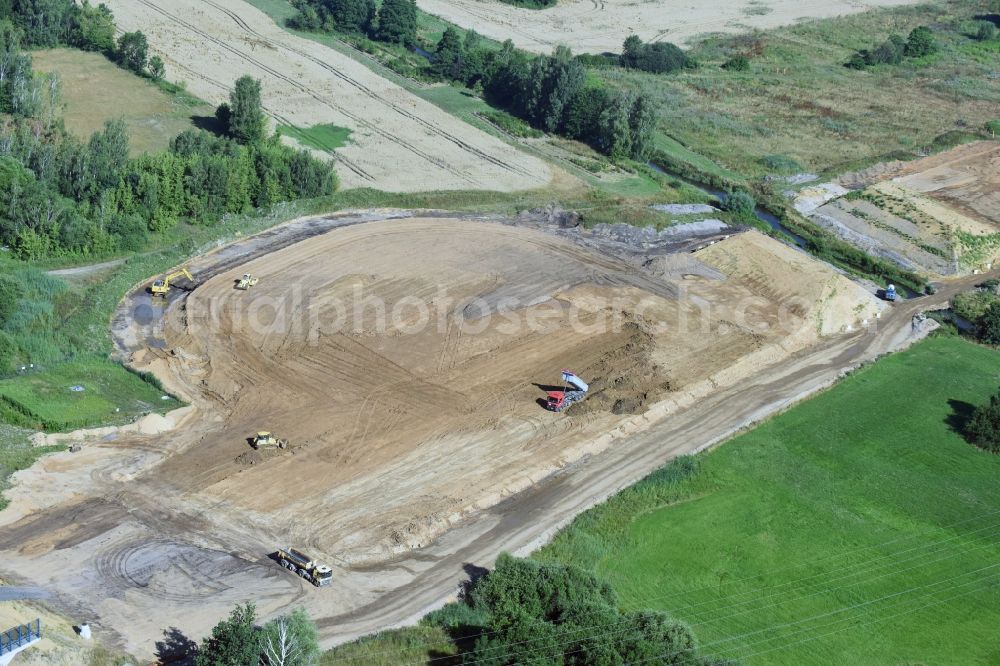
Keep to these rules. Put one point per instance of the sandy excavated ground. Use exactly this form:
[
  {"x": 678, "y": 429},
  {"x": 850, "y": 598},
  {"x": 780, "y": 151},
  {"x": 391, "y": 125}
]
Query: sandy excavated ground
[
  {"x": 949, "y": 201},
  {"x": 595, "y": 26},
  {"x": 423, "y": 396},
  {"x": 398, "y": 143},
  {"x": 966, "y": 179},
  {"x": 398, "y": 429}
]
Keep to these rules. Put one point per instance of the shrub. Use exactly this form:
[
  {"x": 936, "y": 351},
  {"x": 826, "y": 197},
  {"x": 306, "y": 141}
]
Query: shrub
[
  {"x": 740, "y": 203},
  {"x": 986, "y": 31},
  {"x": 920, "y": 42},
  {"x": 988, "y": 326},
  {"x": 738, "y": 63},
  {"x": 983, "y": 429},
  {"x": 993, "y": 127},
  {"x": 658, "y": 58},
  {"x": 156, "y": 68}
]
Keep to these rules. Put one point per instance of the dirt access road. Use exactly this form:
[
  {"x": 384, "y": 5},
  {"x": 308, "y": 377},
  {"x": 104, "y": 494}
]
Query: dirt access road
[
  {"x": 596, "y": 26},
  {"x": 399, "y": 142}
]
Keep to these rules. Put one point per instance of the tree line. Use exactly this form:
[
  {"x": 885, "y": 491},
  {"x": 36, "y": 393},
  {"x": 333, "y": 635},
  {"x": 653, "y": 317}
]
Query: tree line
[
  {"x": 394, "y": 22},
  {"x": 550, "y": 92},
  {"x": 62, "y": 196}
]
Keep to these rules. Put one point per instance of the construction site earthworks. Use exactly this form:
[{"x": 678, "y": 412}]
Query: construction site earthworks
[
  {"x": 938, "y": 215},
  {"x": 404, "y": 360}
]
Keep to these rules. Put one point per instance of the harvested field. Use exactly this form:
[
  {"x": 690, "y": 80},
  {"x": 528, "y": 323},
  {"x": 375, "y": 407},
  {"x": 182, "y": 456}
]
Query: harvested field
[
  {"x": 409, "y": 391},
  {"x": 596, "y": 26},
  {"x": 89, "y": 80},
  {"x": 398, "y": 142},
  {"x": 940, "y": 214}
]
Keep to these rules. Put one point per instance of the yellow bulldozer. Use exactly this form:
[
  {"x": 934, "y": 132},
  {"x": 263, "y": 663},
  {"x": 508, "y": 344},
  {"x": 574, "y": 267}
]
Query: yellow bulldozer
[
  {"x": 161, "y": 287},
  {"x": 265, "y": 439},
  {"x": 247, "y": 281}
]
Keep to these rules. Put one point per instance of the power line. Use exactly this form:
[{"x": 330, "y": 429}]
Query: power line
[
  {"x": 881, "y": 619},
  {"x": 730, "y": 597},
  {"x": 827, "y": 614}
]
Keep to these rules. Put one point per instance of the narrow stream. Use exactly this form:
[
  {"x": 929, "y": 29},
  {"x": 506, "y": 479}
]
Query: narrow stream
[{"x": 762, "y": 214}]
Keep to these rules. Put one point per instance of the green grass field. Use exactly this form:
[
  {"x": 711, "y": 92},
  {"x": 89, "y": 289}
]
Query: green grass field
[
  {"x": 857, "y": 528},
  {"x": 321, "y": 137},
  {"x": 111, "y": 394},
  {"x": 90, "y": 80}
]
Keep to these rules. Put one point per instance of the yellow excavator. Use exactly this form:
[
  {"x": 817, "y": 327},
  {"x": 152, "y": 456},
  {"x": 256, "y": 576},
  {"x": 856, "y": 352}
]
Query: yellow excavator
[{"x": 161, "y": 287}]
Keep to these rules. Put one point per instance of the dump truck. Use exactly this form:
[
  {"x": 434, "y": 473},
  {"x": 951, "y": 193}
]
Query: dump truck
[
  {"x": 247, "y": 281},
  {"x": 298, "y": 562},
  {"x": 574, "y": 390},
  {"x": 265, "y": 439},
  {"x": 161, "y": 287}
]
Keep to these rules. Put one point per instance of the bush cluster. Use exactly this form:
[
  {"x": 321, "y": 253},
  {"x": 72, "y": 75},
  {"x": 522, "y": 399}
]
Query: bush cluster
[
  {"x": 525, "y": 612},
  {"x": 892, "y": 51},
  {"x": 394, "y": 22}
]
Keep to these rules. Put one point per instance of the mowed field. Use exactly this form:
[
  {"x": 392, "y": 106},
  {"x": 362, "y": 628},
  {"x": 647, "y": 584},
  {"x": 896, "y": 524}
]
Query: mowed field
[
  {"x": 595, "y": 26},
  {"x": 93, "y": 92},
  {"x": 399, "y": 142},
  {"x": 857, "y": 528}
]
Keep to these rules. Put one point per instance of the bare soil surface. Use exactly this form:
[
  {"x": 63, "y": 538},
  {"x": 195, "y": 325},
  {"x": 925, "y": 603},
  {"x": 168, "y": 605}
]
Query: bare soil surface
[
  {"x": 938, "y": 215},
  {"x": 596, "y": 26},
  {"x": 417, "y": 440},
  {"x": 399, "y": 142}
]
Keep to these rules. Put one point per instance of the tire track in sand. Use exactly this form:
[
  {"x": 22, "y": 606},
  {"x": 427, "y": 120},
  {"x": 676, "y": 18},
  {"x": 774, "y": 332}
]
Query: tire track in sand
[
  {"x": 392, "y": 138},
  {"x": 373, "y": 95}
]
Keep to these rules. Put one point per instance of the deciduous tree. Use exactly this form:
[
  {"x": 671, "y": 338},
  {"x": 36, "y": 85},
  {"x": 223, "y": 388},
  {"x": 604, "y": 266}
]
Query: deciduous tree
[
  {"x": 246, "y": 120},
  {"x": 397, "y": 22},
  {"x": 234, "y": 641},
  {"x": 133, "y": 51}
]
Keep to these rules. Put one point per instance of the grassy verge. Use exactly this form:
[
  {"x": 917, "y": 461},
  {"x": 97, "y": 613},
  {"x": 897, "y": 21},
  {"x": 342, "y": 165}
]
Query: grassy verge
[
  {"x": 80, "y": 393},
  {"x": 17, "y": 453},
  {"x": 411, "y": 645},
  {"x": 858, "y": 527}
]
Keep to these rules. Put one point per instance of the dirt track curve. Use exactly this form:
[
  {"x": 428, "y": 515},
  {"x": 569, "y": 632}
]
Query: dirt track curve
[{"x": 399, "y": 142}]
